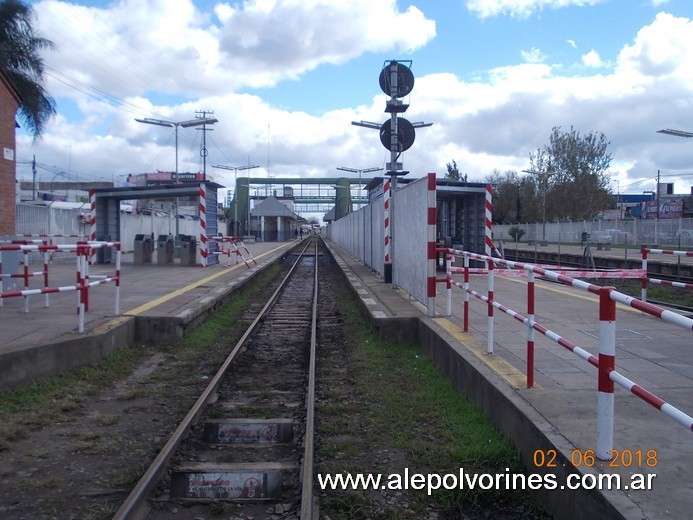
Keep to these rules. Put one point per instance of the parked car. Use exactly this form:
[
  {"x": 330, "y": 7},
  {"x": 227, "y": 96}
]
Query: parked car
[{"x": 612, "y": 236}]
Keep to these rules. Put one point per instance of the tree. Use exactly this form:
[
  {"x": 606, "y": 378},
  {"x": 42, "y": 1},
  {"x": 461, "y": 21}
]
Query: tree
[
  {"x": 578, "y": 184},
  {"x": 515, "y": 198},
  {"x": 454, "y": 173},
  {"x": 21, "y": 62}
]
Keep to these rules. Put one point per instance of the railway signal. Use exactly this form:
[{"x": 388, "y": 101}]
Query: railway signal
[{"x": 397, "y": 135}]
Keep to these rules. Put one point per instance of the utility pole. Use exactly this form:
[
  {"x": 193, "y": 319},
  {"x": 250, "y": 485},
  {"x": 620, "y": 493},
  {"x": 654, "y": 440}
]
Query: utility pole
[
  {"x": 202, "y": 114},
  {"x": 657, "y": 193},
  {"x": 33, "y": 184}
]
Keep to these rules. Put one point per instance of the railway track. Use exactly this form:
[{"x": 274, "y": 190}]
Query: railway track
[{"x": 248, "y": 439}]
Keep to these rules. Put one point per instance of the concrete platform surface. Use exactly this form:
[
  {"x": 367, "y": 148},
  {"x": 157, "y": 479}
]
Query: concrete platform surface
[
  {"x": 156, "y": 302},
  {"x": 554, "y": 420},
  {"x": 562, "y": 405}
]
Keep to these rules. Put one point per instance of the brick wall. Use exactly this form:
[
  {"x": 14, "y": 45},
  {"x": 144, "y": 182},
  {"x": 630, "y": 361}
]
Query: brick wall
[{"x": 8, "y": 110}]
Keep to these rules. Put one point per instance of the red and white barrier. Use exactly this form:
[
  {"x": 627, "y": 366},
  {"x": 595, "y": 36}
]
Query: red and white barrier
[
  {"x": 233, "y": 247},
  {"x": 488, "y": 212},
  {"x": 646, "y": 279},
  {"x": 83, "y": 252},
  {"x": 204, "y": 247},
  {"x": 386, "y": 218},
  {"x": 45, "y": 235},
  {"x": 92, "y": 223},
  {"x": 605, "y": 362},
  {"x": 431, "y": 247},
  {"x": 570, "y": 271}
]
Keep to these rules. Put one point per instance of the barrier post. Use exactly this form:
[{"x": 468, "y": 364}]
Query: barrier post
[
  {"x": 530, "y": 328},
  {"x": 387, "y": 267},
  {"x": 489, "y": 343},
  {"x": 117, "y": 281},
  {"x": 203, "y": 225},
  {"x": 450, "y": 260},
  {"x": 466, "y": 293},
  {"x": 431, "y": 238},
  {"x": 26, "y": 280},
  {"x": 643, "y": 290},
  {"x": 46, "y": 259},
  {"x": 92, "y": 224},
  {"x": 78, "y": 280},
  {"x": 488, "y": 212},
  {"x": 607, "y": 356}
]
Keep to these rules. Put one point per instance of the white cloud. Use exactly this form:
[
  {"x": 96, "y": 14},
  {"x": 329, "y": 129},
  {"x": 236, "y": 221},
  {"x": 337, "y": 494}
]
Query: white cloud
[
  {"x": 179, "y": 50},
  {"x": 662, "y": 49},
  {"x": 520, "y": 8},
  {"x": 572, "y": 43},
  {"x": 533, "y": 55},
  {"x": 488, "y": 123},
  {"x": 592, "y": 59}
]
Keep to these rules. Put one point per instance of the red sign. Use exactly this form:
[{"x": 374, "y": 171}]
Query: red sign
[{"x": 667, "y": 209}]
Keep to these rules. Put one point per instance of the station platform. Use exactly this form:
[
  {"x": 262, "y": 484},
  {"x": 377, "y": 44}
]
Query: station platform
[
  {"x": 157, "y": 303},
  {"x": 551, "y": 424}
]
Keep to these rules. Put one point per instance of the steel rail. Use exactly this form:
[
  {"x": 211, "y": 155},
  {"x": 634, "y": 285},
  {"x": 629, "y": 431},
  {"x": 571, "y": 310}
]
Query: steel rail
[
  {"x": 308, "y": 449},
  {"x": 132, "y": 504}
]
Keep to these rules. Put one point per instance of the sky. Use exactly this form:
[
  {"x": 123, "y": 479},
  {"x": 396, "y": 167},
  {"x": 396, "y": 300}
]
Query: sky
[{"x": 286, "y": 79}]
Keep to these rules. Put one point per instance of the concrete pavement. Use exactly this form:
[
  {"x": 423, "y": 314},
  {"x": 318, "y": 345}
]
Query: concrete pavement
[
  {"x": 554, "y": 420},
  {"x": 554, "y": 424}
]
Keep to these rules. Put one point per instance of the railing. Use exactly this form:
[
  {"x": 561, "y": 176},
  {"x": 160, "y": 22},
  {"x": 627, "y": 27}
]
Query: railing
[
  {"x": 84, "y": 279},
  {"x": 646, "y": 279},
  {"x": 604, "y": 362},
  {"x": 232, "y": 247}
]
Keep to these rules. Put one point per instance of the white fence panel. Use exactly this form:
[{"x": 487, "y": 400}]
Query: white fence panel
[
  {"x": 33, "y": 219},
  {"x": 409, "y": 242}
]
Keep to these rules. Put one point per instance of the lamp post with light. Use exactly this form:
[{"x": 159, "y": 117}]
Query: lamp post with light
[
  {"x": 199, "y": 121},
  {"x": 235, "y": 190},
  {"x": 359, "y": 171}
]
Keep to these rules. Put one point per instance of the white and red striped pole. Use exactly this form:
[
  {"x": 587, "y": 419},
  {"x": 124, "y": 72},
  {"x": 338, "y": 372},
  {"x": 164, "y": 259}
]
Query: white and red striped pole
[
  {"x": 466, "y": 293},
  {"x": 431, "y": 238},
  {"x": 607, "y": 362},
  {"x": 530, "y": 328},
  {"x": 489, "y": 219},
  {"x": 92, "y": 222},
  {"x": 203, "y": 226},
  {"x": 117, "y": 281},
  {"x": 489, "y": 337},
  {"x": 387, "y": 269},
  {"x": 643, "y": 290}
]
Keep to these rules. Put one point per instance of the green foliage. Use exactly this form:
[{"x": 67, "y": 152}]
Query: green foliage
[
  {"x": 575, "y": 179},
  {"x": 22, "y": 63},
  {"x": 516, "y": 233},
  {"x": 567, "y": 179},
  {"x": 453, "y": 172}
]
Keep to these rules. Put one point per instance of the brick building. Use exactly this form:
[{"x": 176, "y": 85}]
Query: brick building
[{"x": 9, "y": 101}]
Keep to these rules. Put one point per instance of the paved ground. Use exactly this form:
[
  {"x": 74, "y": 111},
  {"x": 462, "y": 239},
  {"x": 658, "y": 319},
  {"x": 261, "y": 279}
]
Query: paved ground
[
  {"x": 654, "y": 354},
  {"x": 624, "y": 253},
  {"x": 146, "y": 289}
]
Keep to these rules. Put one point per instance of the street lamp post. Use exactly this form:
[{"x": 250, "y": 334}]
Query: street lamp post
[
  {"x": 359, "y": 171},
  {"x": 235, "y": 190},
  {"x": 545, "y": 176},
  {"x": 676, "y": 133},
  {"x": 175, "y": 124}
]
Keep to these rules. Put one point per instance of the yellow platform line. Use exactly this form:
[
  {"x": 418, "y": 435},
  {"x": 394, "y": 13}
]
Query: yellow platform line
[
  {"x": 581, "y": 295},
  {"x": 158, "y": 301},
  {"x": 500, "y": 366}
]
